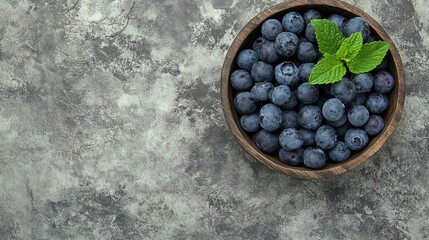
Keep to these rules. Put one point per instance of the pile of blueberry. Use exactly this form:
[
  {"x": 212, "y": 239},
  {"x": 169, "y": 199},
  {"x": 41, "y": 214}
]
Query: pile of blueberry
[{"x": 306, "y": 124}]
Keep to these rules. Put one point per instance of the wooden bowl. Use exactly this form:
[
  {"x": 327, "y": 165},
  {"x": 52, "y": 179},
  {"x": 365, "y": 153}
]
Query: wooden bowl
[{"x": 245, "y": 39}]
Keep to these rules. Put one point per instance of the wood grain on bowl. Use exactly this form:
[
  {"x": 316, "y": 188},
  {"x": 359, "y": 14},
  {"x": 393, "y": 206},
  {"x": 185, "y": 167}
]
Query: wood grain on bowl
[{"x": 244, "y": 40}]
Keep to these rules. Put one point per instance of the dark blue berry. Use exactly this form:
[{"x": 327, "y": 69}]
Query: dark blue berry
[
  {"x": 262, "y": 72},
  {"x": 266, "y": 141},
  {"x": 291, "y": 103},
  {"x": 293, "y": 22},
  {"x": 310, "y": 117},
  {"x": 358, "y": 115},
  {"x": 383, "y": 82},
  {"x": 306, "y": 52},
  {"x": 341, "y": 130},
  {"x": 247, "y": 58},
  {"x": 308, "y": 136},
  {"x": 339, "y": 20},
  {"x": 377, "y": 103},
  {"x": 289, "y": 119},
  {"x": 307, "y": 93},
  {"x": 245, "y": 103},
  {"x": 356, "y": 139},
  {"x": 314, "y": 158},
  {"x": 305, "y": 71},
  {"x": 344, "y": 90},
  {"x": 261, "y": 91},
  {"x": 333, "y": 109},
  {"x": 258, "y": 42},
  {"x": 270, "y": 117},
  {"x": 340, "y": 152},
  {"x": 363, "y": 82},
  {"x": 241, "y": 80},
  {"x": 311, "y": 14},
  {"x": 250, "y": 123},
  {"x": 267, "y": 52},
  {"x": 292, "y": 158},
  {"x": 271, "y": 28},
  {"x": 374, "y": 126},
  {"x": 325, "y": 137},
  {"x": 309, "y": 33},
  {"x": 357, "y": 24},
  {"x": 286, "y": 44},
  {"x": 291, "y": 139},
  {"x": 339, "y": 122},
  {"x": 281, "y": 95},
  {"x": 286, "y": 73}
]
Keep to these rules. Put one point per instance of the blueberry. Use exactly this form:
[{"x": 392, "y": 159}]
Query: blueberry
[
  {"x": 241, "y": 80},
  {"x": 293, "y": 22},
  {"x": 363, "y": 82},
  {"x": 261, "y": 91},
  {"x": 358, "y": 115},
  {"x": 339, "y": 20},
  {"x": 333, "y": 109},
  {"x": 271, "y": 28},
  {"x": 307, "y": 93},
  {"x": 309, "y": 33},
  {"x": 305, "y": 71},
  {"x": 281, "y": 95},
  {"x": 383, "y": 82},
  {"x": 357, "y": 24},
  {"x": 292, "y": 158},
  {"x": 266, "y": 141},
  {"x": 289, "y": 119},
  {"x": 359, "y": 99},
  {"x": 262, "y": 72},
  {"x": 314, "y": 158},
  {"x": 250, "y": 123},
  {"x": 258, "y": 42},
  {"x": 325, "y": 137},
  {"x": 340, "y": 152},
  {"x": 245, "y": 103},
  {"x": 344, "y": 90},
  {"x": 341, "y": 130},
  {"x": 270, "y": 117},
  {"x": 311, "y": 14},
  {"x": 286, "y": 73},
  {"x": 291, "y": 139},
  {"x": 286, "y": 44},
  {"x": 302, "y": 39},
  {"x": 247, "y": 58},
  {"x": 267, "y": 52},
  {"x": 306, "y": 52},
  {"x": 383, "y": 65},
  {"x": 339, "y": 122},
  {"x": 374, "y": 126},
  {"x": 308, "y": 136},
  {"x": 356, "y": 139},
  {"x": 310, "y": 117},
  {"x": 377, "y": 103},
  {"x": 291, "y": 103}
]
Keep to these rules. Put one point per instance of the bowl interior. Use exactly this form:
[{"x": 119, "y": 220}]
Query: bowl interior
[{"x": 245, "y": 41}]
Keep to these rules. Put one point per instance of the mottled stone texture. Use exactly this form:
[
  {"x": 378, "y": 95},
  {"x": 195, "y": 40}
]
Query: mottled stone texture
[{"x": 111, "y": 128}]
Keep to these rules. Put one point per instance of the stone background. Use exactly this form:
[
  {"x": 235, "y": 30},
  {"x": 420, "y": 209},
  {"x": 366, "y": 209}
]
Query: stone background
[{"x": 111, "y": 128}]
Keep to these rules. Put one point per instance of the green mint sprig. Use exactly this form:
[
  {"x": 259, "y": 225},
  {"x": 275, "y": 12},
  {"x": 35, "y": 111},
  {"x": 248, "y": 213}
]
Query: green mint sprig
[{"x": 339, "y": 51}]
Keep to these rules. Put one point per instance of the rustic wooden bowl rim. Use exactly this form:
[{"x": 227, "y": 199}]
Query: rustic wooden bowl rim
[{"x": 396, "y": 97}]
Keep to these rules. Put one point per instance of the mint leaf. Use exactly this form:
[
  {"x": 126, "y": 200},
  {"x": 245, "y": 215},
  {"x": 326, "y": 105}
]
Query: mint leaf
[
  {"x": 328, "y": 70},
  {"x": 350, "y": 47},
  {"x": 328, "y": 36},
  {"x": 369, "y": 57}
]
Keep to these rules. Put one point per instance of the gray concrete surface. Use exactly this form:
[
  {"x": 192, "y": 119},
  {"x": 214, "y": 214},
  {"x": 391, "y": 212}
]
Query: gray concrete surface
[{"x": 111, "y": 128}]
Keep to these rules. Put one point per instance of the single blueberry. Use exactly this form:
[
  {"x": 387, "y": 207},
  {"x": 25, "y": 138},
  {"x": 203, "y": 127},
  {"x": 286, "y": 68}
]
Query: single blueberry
[
  {"x": 311, "y": 14},
  {"x": 286, "y": 44},
  {"x": 356, "y": 139},
  {"x": 286, "y": 73},
  {"x": 292, "y": 158},
  {"x": 333, "y": 109},
  {"x": 358, "y": 115},
  {"x": 363, "y": 82},
  {"x": 314, "y": 158},
  {"x": 245, "y": 103},
  {"x": 310, "y": 117},
  {"x": 374, "y": 126},
  {"x": 293, "y": 22},
  {"x": 241, "y": 80},
  {"x": 344, "y": 90},
  {"x": 305, "y": 71},
  {"x": 307, "y": 93},
  {"x": 281, "y": 95},
  {"x": 258, "y": 42},
  {"x": 289, "y": 119},
  {"x": 377, "y": 103},
  {"x": 309, "y": 33},
  {"x": 325, "y": 137},
  {"x": 266, "y": 141},
  {"x": 340, "y": 152},
  {"x": 271, "y": 28},
  {"x": 262, "y": 72},
  {"x": 250, "y": 123},
  {"x": 308, "y": 136},
  {"x": 339, "y": 20},
  {"x": 383, "y": 82},
  {"x": 291, "y": 139},
  {"x": 359, "y": 99},
  {"x": 270, "y": 117},
  {"x": 261, "y": 91},
  {"x": 357, "y": 24},
  {"x": 247, "y": 58},
  {"x": 306, "y": 52},
  {"x": 267, "y": 52}
]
